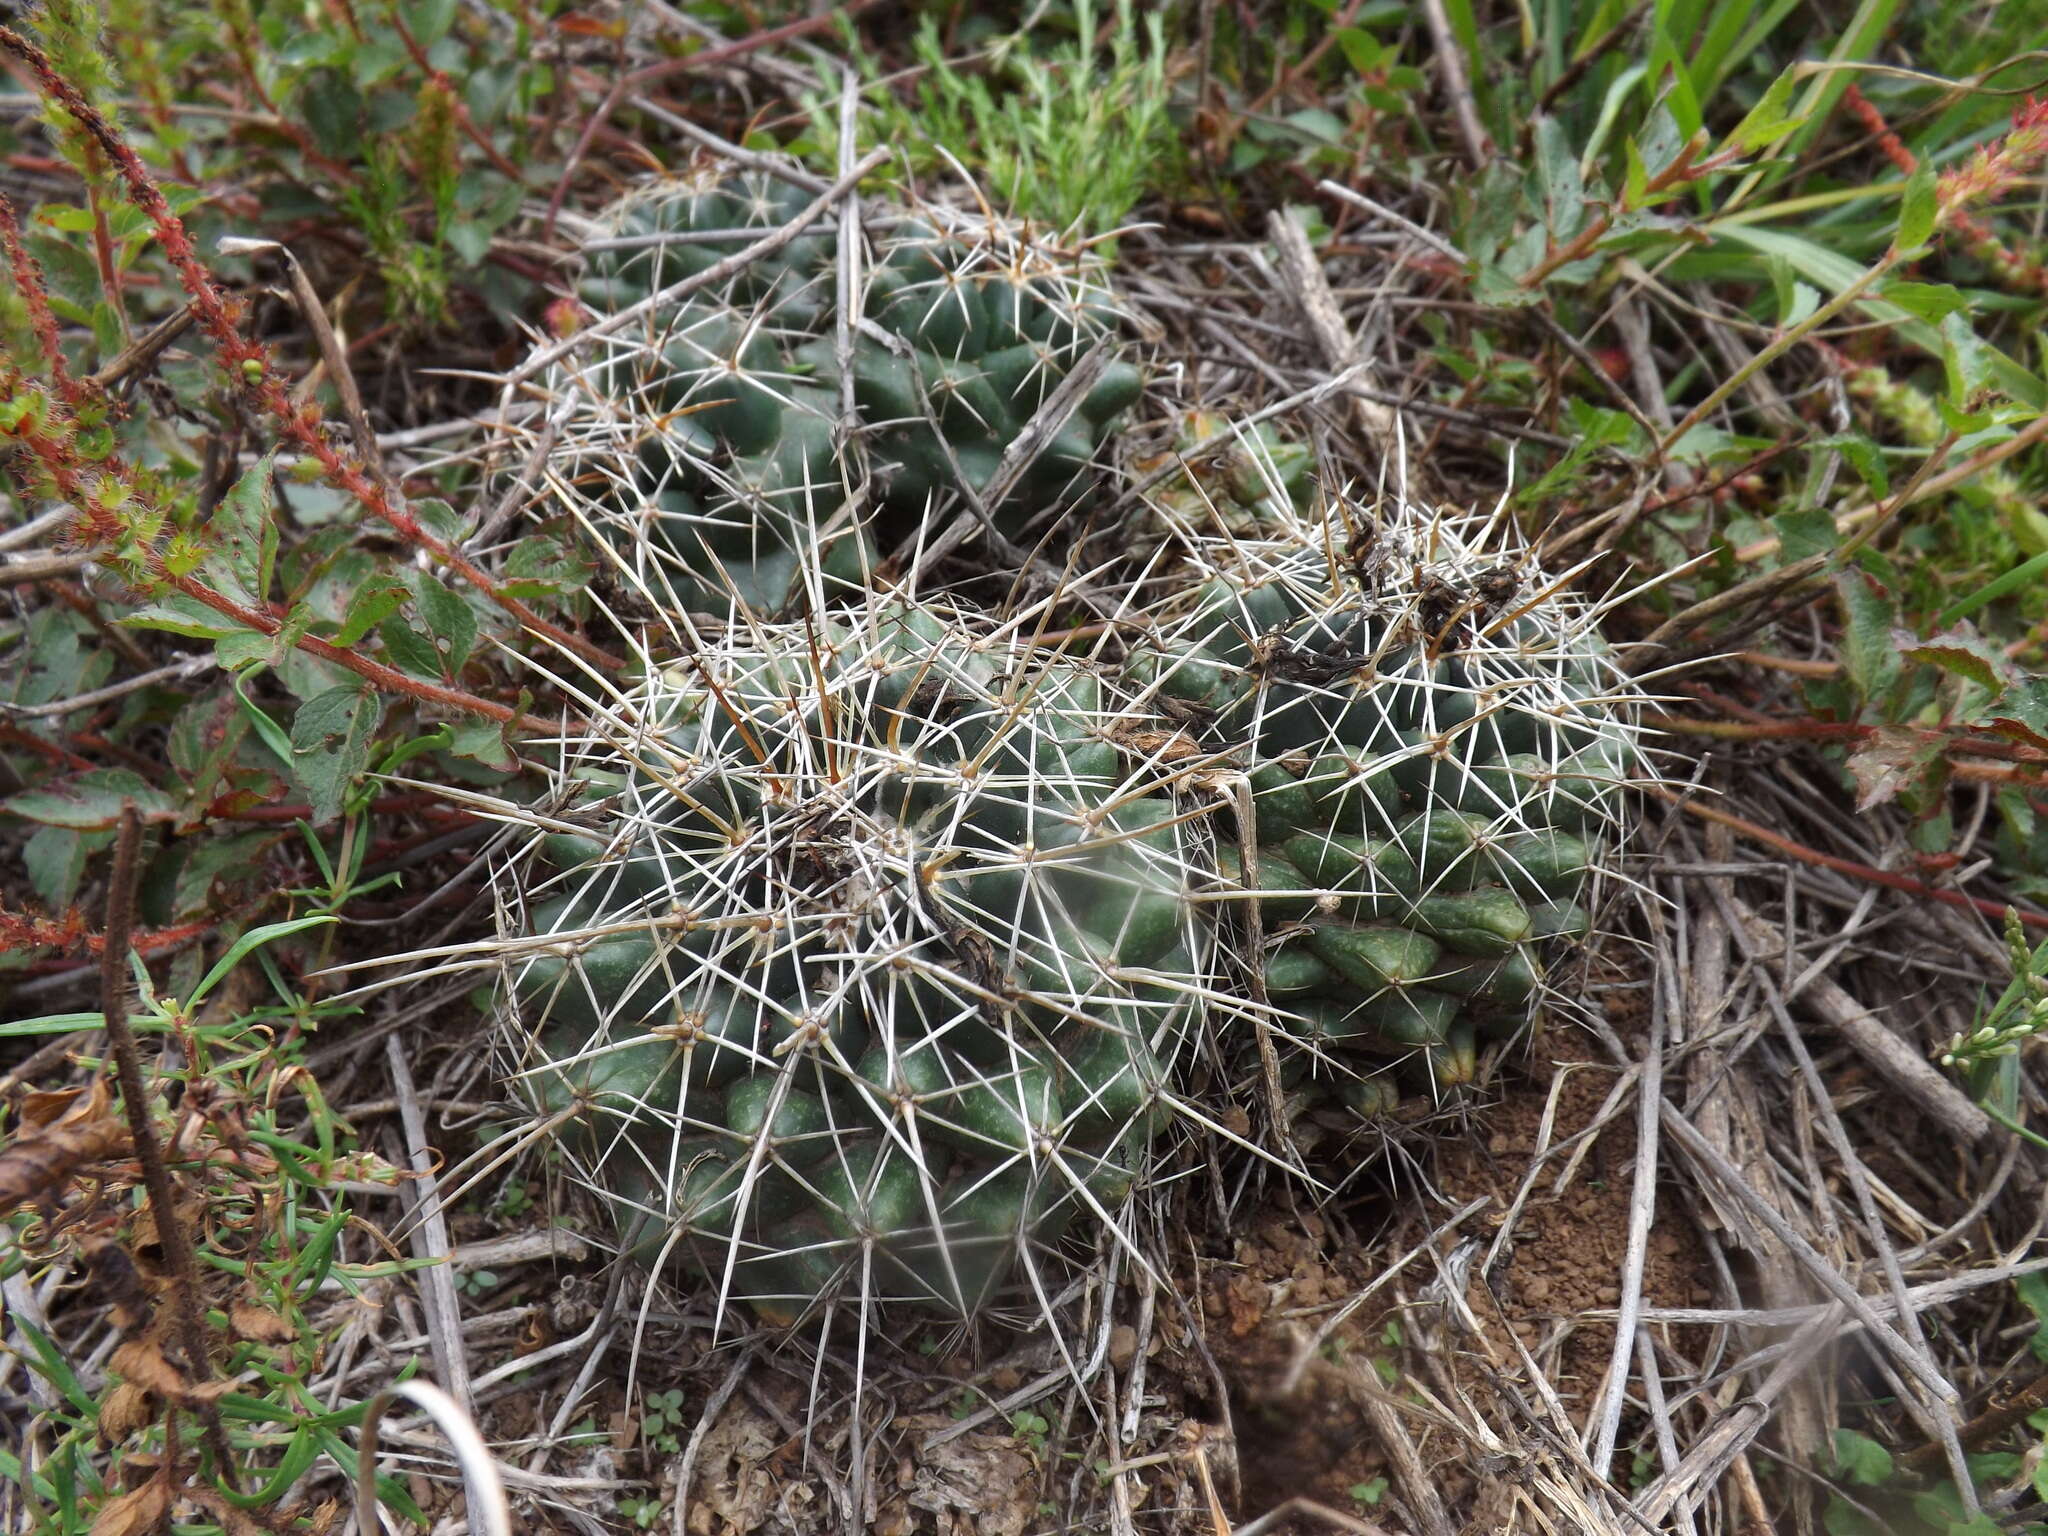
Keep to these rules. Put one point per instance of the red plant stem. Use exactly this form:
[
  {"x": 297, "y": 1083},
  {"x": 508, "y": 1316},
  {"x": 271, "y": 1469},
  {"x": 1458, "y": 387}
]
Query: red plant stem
[
  {"x": 35, "y": 297},
  {"x": 250, "y": 361},
  {"x": 63, "y": 471},
  {"x": 1849, "y": 867}
]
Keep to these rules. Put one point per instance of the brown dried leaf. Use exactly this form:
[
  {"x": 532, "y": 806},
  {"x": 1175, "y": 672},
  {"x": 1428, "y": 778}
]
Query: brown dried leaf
[
  {"x": 260, "y": 1325},
  {"x": 59, "y": 1133},
  {"x": 118, "y": 1280},
  {"x": 137, "y": 1513},
  {"x": 143, "y": 1362},
  {"x": 123, "y": 1411}
]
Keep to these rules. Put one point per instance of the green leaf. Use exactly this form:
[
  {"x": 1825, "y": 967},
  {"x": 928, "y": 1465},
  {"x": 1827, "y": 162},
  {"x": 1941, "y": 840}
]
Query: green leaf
[
  {"x": 1861, "y": 1460},
  {"x": 449, "y": 617},
  {"x": 484, "y": 741},
  {"x": 1966, "y": 361},
  {"x": 429, "y": 20},
  {"x": 247, "y": 648},
  {"x": 52, "y": 1024},
  {"x": 333, "y": 110},
  {"x": 2032, "y": 1291},
  {"x": 1869, "y": 655},
  {"x": 369, "y": 607},
  {"x": 55, "y": 860},
  {"x": 1965, "y": 655},
  {"x": 2020, "y": 713},
  {"x": 92, "y": 800},
  {"x": 253, "y": 940},
  {"x": 1932, "y": 302},
  {"x": 331, "y": 745},
  {"x": 182, "y": 615},
  {"x": 1916, "y": 209},
  {"x": 1803, "y": 533},
  {"x": 1864, "y": 456},
  {"x": 244, "y": 534},
  {"x": 409, "y": 650},
  {"x": 1770, "y": 119}
]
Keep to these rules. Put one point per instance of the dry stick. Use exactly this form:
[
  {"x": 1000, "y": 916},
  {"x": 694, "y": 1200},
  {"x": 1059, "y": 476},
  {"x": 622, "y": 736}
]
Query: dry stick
[
  {"x": 1939, "y": 1428},
  {"x": 144, "y": 349},
  {"x": 1642, "y": 1206},
  {"x": 1311, "y": 290},
  {"x": 430, "y": 1238},
  {"x": 332, "y": 353},
  {"x": 185, "y": 666},
  {"x": 1849, "y": 867},
  {"x": 1457, "y": 87},
  {"x": 1914, "y": 1360},
  {"x": 1986, "y": 1426},
  {"x": 135, "y": 1100},
  {"x": 636, "y": 79},
  {"x": 1974, "y": 465},
  {"x": 1892, "y": 1058}
]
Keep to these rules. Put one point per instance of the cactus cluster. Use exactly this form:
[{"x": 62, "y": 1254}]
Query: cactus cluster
[
  {"x": 859, "y": 958},
  {"x": 1431, "y": 735},
  {"x": 756, "y": 441},
  {"x": 868, "y": 977}
]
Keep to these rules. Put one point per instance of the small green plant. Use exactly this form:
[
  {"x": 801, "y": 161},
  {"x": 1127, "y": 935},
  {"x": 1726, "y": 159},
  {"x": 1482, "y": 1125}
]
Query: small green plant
[
  {"x": 478, "y": 1282},
  {"x": 1031, "y": 1428},
  {"x": 1061, "y": 135},
  {"x": 661, "y": 1421},
  {"x": 1367, "y": 1495},
  {"x": 642, "y": 1511}
]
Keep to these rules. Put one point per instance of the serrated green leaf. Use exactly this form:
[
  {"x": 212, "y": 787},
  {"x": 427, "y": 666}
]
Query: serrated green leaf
[
  {"x": 1869, "y": 656},
  {"x": 331, "y": 745},
  {"x": 1932, "y": 302},
  {"x": 1864, "y": 456},
  {"x": 243, "y": 535},
  {"x": 1916, "y": 209},
  {"x": 55, "y": 860},
  {"x": 1770, "y": 119},
  {"x": 2020, "y": 713},
  {"x": 409, "y": 650},
  {"x": 92, "y": 800},
  {"x": 1962, "y": 654},
  {"x": 1861, "y": 1460},
  {"x": 368, "y": 608},
  {"x": 440, "y": 519},
  {"x": 1965, "y": 361},
  {"x": 450, "y": 619}
]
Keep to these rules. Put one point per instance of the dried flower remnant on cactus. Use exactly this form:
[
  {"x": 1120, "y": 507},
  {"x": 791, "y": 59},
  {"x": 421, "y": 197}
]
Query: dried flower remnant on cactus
[{"x": 867, "y": 977}]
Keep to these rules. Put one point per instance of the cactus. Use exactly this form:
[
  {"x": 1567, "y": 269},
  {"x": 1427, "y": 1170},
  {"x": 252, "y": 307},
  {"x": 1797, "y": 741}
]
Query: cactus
[
  {"x": 867, "y": 975},
  {"x": 761, "y": 440},
  {"x": 1433, "y": 735},
  {"x": 1236, "y": 480}
]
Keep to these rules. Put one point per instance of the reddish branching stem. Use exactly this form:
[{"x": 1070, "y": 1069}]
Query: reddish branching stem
[
  {"x": 60, "y": 461},
  {"x": 35, "y": 297},
  {"x": 249, "y": 361}
]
